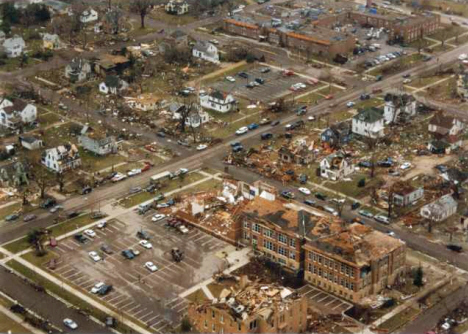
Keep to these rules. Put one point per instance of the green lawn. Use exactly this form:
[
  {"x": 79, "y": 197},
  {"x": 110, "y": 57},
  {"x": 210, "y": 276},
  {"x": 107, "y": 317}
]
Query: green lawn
[
  {"x": 425, "y": 81},
  {"x": 8, "y": 210},
  {"x": 351, "y": 189},
  {"x": 398, "y": 65},
  {"x": 230, "y": 129},
  {"x": 47, "y": 119},
  {"x": 311, "y": 98},
  {"x": 204, "y": 186},
  {"x": 92, "y": 162},
  {"x": 448, "y": 32},
  {"x": 197, "y": 296}
]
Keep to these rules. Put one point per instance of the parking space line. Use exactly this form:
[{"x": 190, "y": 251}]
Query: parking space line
[
  {"x": 177, "y": 304},
  {"x": 319, "y": 295},
  {"x": 63, "y": 269},
  {"x": 64, "y": 245},
  {"x": 116, "y": 298},
  {"x": 133, "y": 308},
  {"x": 126, "y": 303},
  {"x": 179, "y": 309},
  {"x": 146, "y": 315},
  {"x": 142, "y": 310},
  {"x": 159, "y": 328},
  {"x": 77, "y": 273},
  {"x": 65, "y": 273},
  {"x": 157, "y": 323},
  {"x": 151, "y": 319},
  {"x": 60, "y": 250},
  {"x": 339, "y": 305},
  {"x": 327, "y": 296}
]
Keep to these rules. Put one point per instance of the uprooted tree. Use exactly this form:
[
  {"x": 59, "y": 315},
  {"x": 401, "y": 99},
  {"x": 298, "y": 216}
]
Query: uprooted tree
[{"x": 36, "y": 239}]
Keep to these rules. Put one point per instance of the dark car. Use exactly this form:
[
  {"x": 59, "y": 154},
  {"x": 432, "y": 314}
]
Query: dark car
[
  {"x": 236, "y": 143},
  {"x": 265, "y": 136},
  {"x": 243, "y": 75},
  {"x": 143, "y": 235},
  {"x": 183, "y": 143},
  {"x": 455, "y": 248},
  {"x": 355, "y": 205},
  {"x": 128, "y": 254},
  {"x": 161, "y": 134},
  {"x": 29, "y": 217},
  {"x": 80, "y": 238},
  {"x": 364, "y": 97},
  {"x": 303, "y": 178},
  {"x": 310, "y": 202},
  {"x": 275, "y": 123},
  {"x": 73, "y": 214},
  {"x": 158, "y": 197},
  {"x": 260, "y": 81},
  {"x": 106, "y": 249},
  {"x": 287, "y": 194},
  {"x": 365, "y": 164},
  {"x": 265, "y": 70},
  {"x": 407, "y": 75},
  {"x": 321, "y": 196},
  {"x": 385, "y": 163},
  {"x": 238, "y": 148},
  {"x": 12, "y": 217},
  {"x": 110, "y": 322},
  {"x": 48, "y": 203},
  {"x": 105, "y": 290},
  {"x": 151, "y": 188},
  {"x": 86, "y": 190},
  {"x": 253, "y": 126}
]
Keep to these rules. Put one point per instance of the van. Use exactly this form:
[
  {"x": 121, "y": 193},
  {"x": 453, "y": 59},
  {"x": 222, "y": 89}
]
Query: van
[
  {"x": 144, "y": 208},
  {"x": 382, "y": 219}
]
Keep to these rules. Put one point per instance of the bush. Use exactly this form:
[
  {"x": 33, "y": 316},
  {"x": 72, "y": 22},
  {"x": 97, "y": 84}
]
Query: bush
[
  {"x": 250, "y": 58},
  {"x": 418, "y": 277},
  {"x": 362, "y": 183}
]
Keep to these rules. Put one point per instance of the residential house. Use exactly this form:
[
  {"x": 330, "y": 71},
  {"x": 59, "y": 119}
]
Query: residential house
[
  {"x": 178, "y": 38},
  {"x": 78, "y": 70},
  {"x": 404, "y": 194},
  {"x": 250, "y": 307},
  {"x": 89, "y": 15},
  {"x": 218, "y": 101},
  {"x": 194, "y": 115},
  {"x": 17, "y": 113},
  {"x": 399, "y": 106},
  {"x": 352, "y": 261},
  {"x": 111, "y": 64},
  {"x": 440, "y": 209},
  {"x": 14, "y": 46},
  {"x": 57, "y": 7},
  {"x": 13, "y": 174},
  {"x": 455, "y": 175},
  {"x": 98, "y": 144},
  {"x": 337, "y": 134},
  {"x": 441, "y": 146},
  {"x": 31, "y": 143},
  {"x": 336, "y": 166},
  {"x": 112, "y": 85},
  {"x": 442, "y": 125},
  {"x": 51, "y": 41},
  {"x": 369, "y": 123},
  {"x": 177, "y": 7},
  {"x": 206, "y": 51},
  {"x": 299, "y": 155},
  {"x": 111, "y": 22},
  {"x": 61, "y": 158},
  {"x": 144, "y": 102}
]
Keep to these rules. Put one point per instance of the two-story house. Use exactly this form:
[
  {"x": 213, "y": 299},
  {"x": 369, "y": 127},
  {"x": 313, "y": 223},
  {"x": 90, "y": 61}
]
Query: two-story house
[
  {"x": 206, "y": 51},
  {"x": 404, "y": 194},
  {"x": 336, "y": 166},
  {"x": 78, "y": 70},
  {"x": 177, "y": 7},
  {"x": 17, "y": 113},
  {"x": 98, "y": 144},
  {"x": 369, "y": 123},
  {"x": 218, "y": 101},
  {"x": 399, "y": 106},
  {"x": 337, "y": 134},
  {"x": 51, "y": 42},
  {"x": 14, "y": 46},
  {"x": 112, "y": 85},
  {"x": 61, "y": 158},
  {"x": 194, "y": 115},
  {"x": 440, "y": 209},
  {"x": 442, "y": 125}
]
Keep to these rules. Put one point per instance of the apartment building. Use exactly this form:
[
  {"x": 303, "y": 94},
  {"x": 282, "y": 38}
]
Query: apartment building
[
  {"x": 251, "y": 307},
  {"x": 352, "y": 262}
]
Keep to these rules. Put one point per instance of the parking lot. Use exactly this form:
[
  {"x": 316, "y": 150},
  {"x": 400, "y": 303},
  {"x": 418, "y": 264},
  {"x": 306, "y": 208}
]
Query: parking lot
[
  {"x": 150, "y": 297},
  {"x": 276, "y": 85},
  {"x": 324, "y": 301}
]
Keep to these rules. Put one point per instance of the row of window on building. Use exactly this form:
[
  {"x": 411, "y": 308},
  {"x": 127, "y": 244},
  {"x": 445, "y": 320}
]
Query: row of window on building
[
  {"x": 333, "y": 265},
  {"x": 334, "y": 278},
  {"x": 271, "y": 234}
]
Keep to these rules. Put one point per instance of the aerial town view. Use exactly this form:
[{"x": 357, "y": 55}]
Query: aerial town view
[{"x": 234, "y": 166}]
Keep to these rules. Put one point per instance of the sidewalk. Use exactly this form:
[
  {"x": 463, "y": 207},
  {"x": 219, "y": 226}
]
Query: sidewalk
[{"x": 20, "y": 321}]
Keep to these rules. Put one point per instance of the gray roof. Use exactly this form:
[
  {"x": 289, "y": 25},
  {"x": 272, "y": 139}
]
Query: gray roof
[
  {"x": 370, "y": 115},
  {"x": 13, "y": 41}
]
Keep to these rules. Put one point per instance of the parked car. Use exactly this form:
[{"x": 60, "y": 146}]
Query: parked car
[
  {"x": 86, "y": 190},
  {"x": 70, "y": 323},
  {"x": 382, "y": 219},
  {"x": 95, "y": 256},
  {"x": 265, "y": 70},
  {"x": 303, "y": 178},
  {"x": 141, "y": 234},
  {"x": 183, "y": 143},
  {"x": 260, "y": 81},
  {"x": 202, "y": 147},
  {"x": 90, "y": 233},
  {"x": 266, "y": 136},
  {"x": 405, "y": 165},
  {"x": 455, "y": 248},
  {"x": 243, "y": 75},
  {"x": 252, "y": 126},
  {"x": 106, "y": 249},
  {"x": 12, "y": 217},
  {"x": 102, "y": 224},
  {"x": 321, "y": 196},
  {"x": 105, "y": 290},
  {"x": 128, "y": 254},
  {"x": 158, "y": 217},
  {"x": 331, "y": 210},
  {"x": 366, "y": 213},
  {"x": 310, "y": 202},
  {"x": 80, "y": 238},
  {"x": 287, "y": 194},
  {"x": 56, "y": 208},
  {"x": 95, "y": 289},
  {"x": 151, "y": 266},
  {"x": 350, "y": 104},
  {"x": 237, "y": 149},
  {"x": 304, "y": 191},
  {"x": 48, "y": 203},
  {"x": 355, "y": 205},
  {"x": 275, "y": 123},
  {"x": 242, "y": 130},
  {"x": 230, "y": 79}
]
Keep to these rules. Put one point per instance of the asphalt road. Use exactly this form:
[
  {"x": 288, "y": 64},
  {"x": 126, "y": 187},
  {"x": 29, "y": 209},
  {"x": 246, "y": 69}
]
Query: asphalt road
[{"x": 45, "y": 305}]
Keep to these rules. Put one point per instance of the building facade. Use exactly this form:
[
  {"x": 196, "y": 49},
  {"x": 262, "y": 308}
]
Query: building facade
[
  {"x": 61, "y": 158},
  {"x": 440, "y": 209},
  {"x": 217, "y": 101},
  {"x": 369, "y": 123},
  {"x": 14, "y": 115}
]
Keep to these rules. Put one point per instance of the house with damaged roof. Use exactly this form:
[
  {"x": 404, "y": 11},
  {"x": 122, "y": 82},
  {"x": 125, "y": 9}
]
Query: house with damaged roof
[
  {"x": 61, "y": 158},
  {"x": 398, "y": 107},
  {"x": 78, "y": 70},
  {"x": 440, "y": 209},
  {"x": 369, "y": 123},
  {"x": 99, "y": 144},
  {"x": 337, "y": 134},
  {"x": 113, "y": 85},
  {"x": 446, "y": 130},
  {"x": 206, "y": 51},
  {"x": 218, "y": 101},
  {"x": 336, "y": 166},
  {"x": 16, "y": 114},
  {"x": 404, "y": 194},
  {"x": 251, "y": 307}
]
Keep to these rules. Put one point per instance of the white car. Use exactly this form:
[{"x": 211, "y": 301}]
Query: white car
[
  {"x": 95, "y": 256},
  {"x": 70, "y": 323},
  {"x": 134, "y": 172},
  {"x": 56, "y": 208},
  {"x": 151, "y": 266},
  {"x": 391, "y": 233},
  {"x": 158, "y": 217},
  {"x": 242, "y": 130},
  {"x": 331, "y": 210},
  {"x": 305, "y": 191},
  {"x": 406, "y": 81},
  {"x": 350, "y": 104},
  {"x": 311, "y": 118},
  {"x": 118, "y": 177},
  {"x": 183, "y": 229},
  {"x": 146, "y": 244},
  {"x": 101, "y": 224},
  {"x": 382, "y": 219},
  {"x": 202, "y": 147},
  {"x": 230, "y": 79},
  {"x": 90, "y": 233},
  {"x": 95, "y": 289},
  {"x": 405, "y": 165},
  {"x": 463, "y": 56}
]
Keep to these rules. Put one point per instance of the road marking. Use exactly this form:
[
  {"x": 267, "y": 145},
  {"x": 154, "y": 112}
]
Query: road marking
[
  {"x": 133, "y": 308},
  {"x": 142, "y": 310},
  {"x": 122, "y": 304},
  {"x": 175, "y": 306},
  {"x": 318, "y": 295},
  {"x": 155, "y": 317},
  {"x": 339, "y": 305},
  {"x": 115, "y": 298},
  {"x": 144, "y": 316},
  {"x": 327, "y": 296}
]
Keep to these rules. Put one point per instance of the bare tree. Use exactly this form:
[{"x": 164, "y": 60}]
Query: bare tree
[
  {"x": 141, "y": 7},
  {"x": 42, "y": 177}
]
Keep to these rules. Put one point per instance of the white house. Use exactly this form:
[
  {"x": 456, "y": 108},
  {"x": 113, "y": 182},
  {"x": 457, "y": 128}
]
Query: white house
[
  {"x": 15, "y": 114},
  {"x": 93, "y": 142},
  {"x": 206, "y": 51},
  {"x": 31, "y": 143},
  {"x": 217, "y": 101},
  {"x": 177, "y": 7},
  {"x": 441, "y": 209},
  {"x": 194, "y": 117},
  {"x": 14, "y": 46},
  {"x": 112, "y": 85},
  {"x": 89, "y": 15},
  {"x": 336, "y": 166},
  {"x": 61, "y": 158},
  {"x": 397, "y": 106},
  {"x": 369, "y": 123},
  {"x": 445, "y": 125},
  {"x": 78, "y": 70},
  {"x": 405, "y": 194}
]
